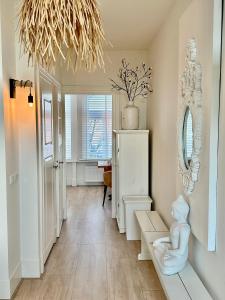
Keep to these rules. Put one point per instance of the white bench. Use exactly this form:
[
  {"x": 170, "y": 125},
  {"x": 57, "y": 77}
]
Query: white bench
[{"x": 185, "y": 285}]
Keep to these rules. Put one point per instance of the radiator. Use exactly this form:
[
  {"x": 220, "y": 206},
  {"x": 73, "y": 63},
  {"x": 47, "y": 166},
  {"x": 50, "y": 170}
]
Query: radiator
[{"x": 93, "y": 174}]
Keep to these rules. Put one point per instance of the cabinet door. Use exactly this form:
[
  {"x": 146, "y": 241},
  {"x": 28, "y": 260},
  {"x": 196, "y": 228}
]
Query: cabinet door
[
  {"x": 115, "y": 176},
  {"x": 117, "y": 153},
  {"x": 116, "y": 193},
  {"x": 133, "y": 164}
]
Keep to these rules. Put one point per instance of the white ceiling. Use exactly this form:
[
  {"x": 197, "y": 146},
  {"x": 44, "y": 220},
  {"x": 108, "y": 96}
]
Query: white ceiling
[{"x": 131, "y": 24}]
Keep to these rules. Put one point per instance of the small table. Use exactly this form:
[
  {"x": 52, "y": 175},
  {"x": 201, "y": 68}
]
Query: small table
[{"x": 106, "y": 164}]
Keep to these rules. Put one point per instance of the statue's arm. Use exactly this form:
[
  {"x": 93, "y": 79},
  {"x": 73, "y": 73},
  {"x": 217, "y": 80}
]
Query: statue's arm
[
  {"x": 183, "y": 241},
  {"x": 165, "y": 239}
]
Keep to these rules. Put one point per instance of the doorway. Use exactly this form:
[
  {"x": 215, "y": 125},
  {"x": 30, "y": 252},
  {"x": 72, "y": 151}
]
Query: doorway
[{"x": 88, "y": 137}]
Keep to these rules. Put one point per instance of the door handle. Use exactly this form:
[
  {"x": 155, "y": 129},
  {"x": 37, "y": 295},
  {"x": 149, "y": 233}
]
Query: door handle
[{"x": 56, "y": 164}]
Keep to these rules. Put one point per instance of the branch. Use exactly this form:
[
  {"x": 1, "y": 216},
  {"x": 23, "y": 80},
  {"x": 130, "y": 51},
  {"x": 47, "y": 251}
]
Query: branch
[
  {"x": 116, "y": 86},
  {"x": 132, "y": 84},
  {"x": 127, "y": 89}
]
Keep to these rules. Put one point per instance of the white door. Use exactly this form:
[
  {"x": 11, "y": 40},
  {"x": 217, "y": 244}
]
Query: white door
[
  {"x": 59, "y": 160},
  {"x": 48, "y": 182}
]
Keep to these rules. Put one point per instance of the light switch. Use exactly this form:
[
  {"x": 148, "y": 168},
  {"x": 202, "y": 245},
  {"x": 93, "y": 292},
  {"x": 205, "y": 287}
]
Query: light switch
[{"x": 13, "y": 178}]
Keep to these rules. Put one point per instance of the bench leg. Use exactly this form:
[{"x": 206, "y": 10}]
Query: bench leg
[{"x": 145, "y": 254}]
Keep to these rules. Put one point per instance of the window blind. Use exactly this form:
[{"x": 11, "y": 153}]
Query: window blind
[
  {"x": 95, "y": 127},
  {"x": 68, "y": 127}
]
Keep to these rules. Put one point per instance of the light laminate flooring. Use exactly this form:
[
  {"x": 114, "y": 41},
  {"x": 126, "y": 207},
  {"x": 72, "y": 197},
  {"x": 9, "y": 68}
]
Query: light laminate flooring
[{"x": 92, "y": 260}]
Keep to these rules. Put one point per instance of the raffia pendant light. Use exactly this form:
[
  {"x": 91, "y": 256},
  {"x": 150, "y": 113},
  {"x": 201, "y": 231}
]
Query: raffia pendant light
[{"x": 71, "y": 29}]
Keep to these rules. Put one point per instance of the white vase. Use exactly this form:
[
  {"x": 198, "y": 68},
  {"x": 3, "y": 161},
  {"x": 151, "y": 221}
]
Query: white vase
[{"x": 130, "y": 117}]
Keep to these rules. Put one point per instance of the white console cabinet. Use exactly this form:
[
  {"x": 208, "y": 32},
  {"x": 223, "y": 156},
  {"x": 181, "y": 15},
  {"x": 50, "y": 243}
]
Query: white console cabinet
[{"x": 129, "y": 169}]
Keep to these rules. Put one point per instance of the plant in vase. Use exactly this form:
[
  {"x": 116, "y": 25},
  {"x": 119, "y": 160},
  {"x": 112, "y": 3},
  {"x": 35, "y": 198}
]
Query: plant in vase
[{"x": 134, "y": 82}]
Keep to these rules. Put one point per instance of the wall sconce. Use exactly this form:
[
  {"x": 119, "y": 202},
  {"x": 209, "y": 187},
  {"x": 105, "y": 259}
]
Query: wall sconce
[
  {"x": 13, "y": 84},
  {"x": 30, "y": 99}
]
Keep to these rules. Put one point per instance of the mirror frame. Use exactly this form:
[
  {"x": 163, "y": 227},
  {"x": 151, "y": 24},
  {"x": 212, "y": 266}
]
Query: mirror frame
[{"x": 190, "y": 97}]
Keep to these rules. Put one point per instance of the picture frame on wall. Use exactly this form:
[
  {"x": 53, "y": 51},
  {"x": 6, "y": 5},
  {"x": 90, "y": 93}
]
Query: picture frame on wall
[
  {"x": 47, "y": 128},
  {"x": 47, "y": 122}
]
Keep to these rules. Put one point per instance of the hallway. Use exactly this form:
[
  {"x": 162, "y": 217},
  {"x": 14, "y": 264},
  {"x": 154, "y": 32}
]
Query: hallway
[{"x": 91, "y": 260}]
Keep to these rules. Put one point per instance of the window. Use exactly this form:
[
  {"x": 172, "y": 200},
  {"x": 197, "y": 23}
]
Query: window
[
  {"x": 94, "y": 126},
  {"x": 68, "y": 126}
]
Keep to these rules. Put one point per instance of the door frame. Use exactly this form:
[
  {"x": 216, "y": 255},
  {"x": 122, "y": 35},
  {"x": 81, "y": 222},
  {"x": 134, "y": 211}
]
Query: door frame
[
  {"x": 57, "y": 94},
  {"x": 41, "y": 73}
]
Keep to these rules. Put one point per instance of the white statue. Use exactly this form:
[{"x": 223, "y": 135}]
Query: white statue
[{"x": 172, "y": 251}]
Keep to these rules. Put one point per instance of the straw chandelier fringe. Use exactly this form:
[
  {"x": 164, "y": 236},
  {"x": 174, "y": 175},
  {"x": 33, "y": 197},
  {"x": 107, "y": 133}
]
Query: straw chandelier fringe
[{"x": 71, "y": 29}]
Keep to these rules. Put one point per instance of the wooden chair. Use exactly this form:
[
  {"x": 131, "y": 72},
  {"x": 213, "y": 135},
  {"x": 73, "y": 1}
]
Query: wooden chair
[{"x": 107, "y": 176}]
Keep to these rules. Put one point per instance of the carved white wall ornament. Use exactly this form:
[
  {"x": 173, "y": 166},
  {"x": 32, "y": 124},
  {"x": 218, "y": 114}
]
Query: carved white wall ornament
[{"x": 190, "y": 96}]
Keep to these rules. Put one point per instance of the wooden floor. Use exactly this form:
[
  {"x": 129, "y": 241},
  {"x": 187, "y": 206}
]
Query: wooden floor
[{"x": 92, "y": 260}]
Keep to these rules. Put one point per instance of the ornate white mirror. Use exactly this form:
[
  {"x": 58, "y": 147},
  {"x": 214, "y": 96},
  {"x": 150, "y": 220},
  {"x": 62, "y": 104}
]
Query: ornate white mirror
[{"x": 190, "y": 119}]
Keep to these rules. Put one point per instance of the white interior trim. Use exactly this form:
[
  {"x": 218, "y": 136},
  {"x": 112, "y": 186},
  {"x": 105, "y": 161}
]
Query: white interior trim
[
  {"x": 40, "y": 72},
  {"x": 214, "y": 126},
  {"x": 30, "y": 268},
  {"x": 7, "y": 287}
]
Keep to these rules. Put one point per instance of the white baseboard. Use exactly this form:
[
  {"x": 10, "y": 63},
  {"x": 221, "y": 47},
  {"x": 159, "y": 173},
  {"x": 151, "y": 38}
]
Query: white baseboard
[
  {"x": 48, "y": 248},
  {"x": 15, "y": 278},
  {"x": 82, "y": 183},
  {"x": 4, "y": 289},
  {"x": 30, "y": 268},
  {"x": 7, "y": 287},
  {"x": 71, "y": 181},
  {"x": 122, "y": 230},
  {"x": 74, "y": 182}
]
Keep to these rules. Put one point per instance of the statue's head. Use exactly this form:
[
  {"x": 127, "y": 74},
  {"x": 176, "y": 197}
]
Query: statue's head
[{"x": 180, "y": 209}]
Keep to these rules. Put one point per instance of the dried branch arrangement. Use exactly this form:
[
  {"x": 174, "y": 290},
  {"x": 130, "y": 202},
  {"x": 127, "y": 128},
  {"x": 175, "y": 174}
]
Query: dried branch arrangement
[
  {"x": 71, "y": 29},
  {"x": 135, "y": 82}
]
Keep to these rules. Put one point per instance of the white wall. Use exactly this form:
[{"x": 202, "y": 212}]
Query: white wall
[
  {"x": 19, "y": 213},
  {"x": 28, "y": 179},
  {"x": 4, "y": 271},
  {"x": 19, "y": 202},
  {"x": 162, "y": 110},
  {"x": 162, "y": 120},
  {"x": 207, "y": 31},
  {"x": 10, "y": 229},
  {"x": 76, "y": 174},
  {"x": 100, "y": 78},
  {"x": 28, "y": 168}
]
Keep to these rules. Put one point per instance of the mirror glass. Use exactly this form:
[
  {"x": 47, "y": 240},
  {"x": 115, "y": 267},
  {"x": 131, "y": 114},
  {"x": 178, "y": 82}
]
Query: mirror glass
[{"x": 187, "y": 137}]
